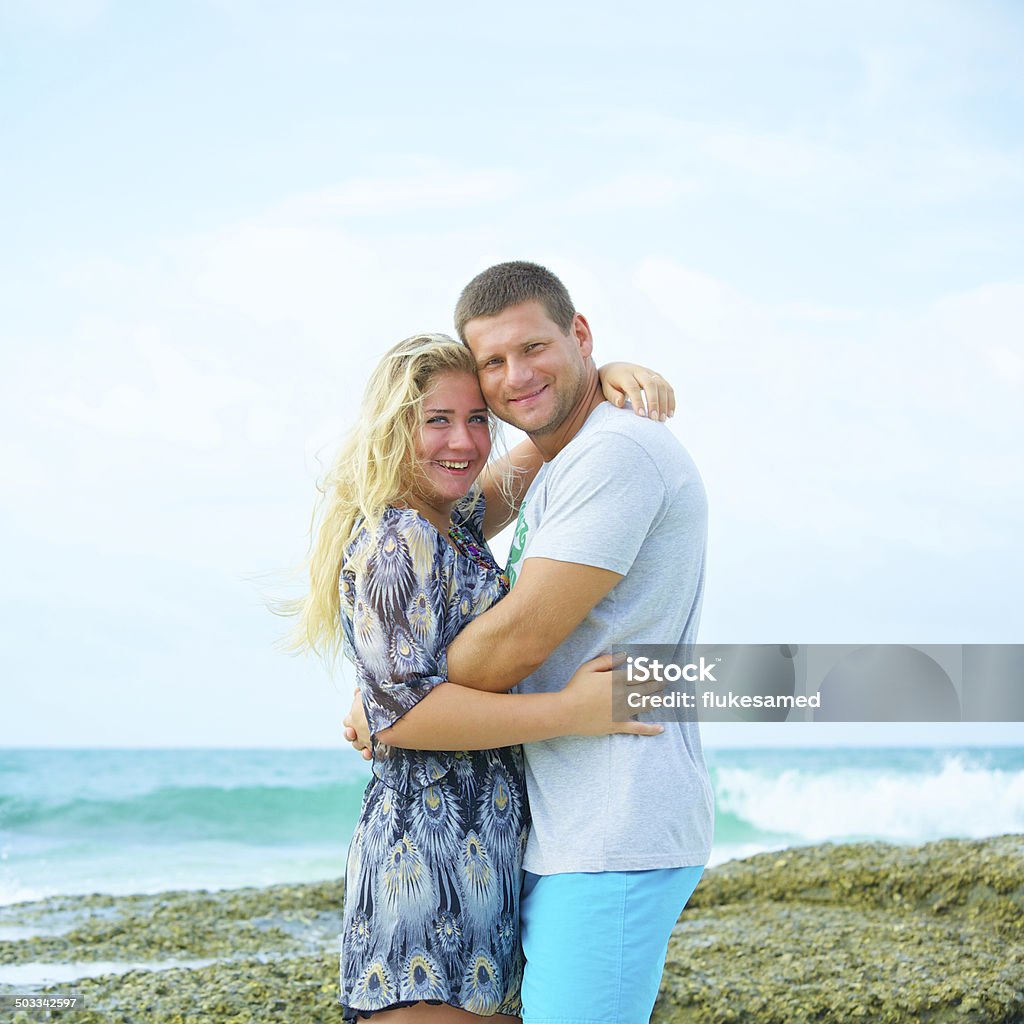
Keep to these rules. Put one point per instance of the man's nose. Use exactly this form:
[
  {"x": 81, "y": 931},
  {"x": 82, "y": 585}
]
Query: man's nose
[{"x": 517, "y": 373}]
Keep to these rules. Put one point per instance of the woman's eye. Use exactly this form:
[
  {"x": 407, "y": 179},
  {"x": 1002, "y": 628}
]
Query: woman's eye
[
  {"x": 435, "y": 420},
  {"x": 480, "y": 418}
]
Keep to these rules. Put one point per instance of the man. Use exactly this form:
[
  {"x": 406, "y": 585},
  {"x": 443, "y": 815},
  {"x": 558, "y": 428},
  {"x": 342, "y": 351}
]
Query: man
[{"x": 608, "y": 551}]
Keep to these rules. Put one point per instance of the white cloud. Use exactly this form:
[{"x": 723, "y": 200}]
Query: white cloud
[
  {"x": 434, "y": 187},
  {"x": 1008, "y": 364},
  {"x": 848, "y": 162},
  {"x": 641, "y": 189},
  {"x": 161, "y": 393},
  {"x": 857, "y": 424},
  {"x": 224, "y": 362},
  {"x": 65, "y": 15},
  {"x": 761, "y": 154}
]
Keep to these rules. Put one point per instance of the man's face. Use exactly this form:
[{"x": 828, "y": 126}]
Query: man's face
[{"x": 531, "y": 372}]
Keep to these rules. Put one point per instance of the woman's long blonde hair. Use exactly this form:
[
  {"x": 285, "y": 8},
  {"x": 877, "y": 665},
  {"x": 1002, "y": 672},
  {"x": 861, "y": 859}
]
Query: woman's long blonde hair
[{"x": 374, "y": 468}]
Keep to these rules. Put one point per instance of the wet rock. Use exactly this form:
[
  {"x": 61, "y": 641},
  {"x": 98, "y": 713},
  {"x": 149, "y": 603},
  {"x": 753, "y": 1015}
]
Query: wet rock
[{"x": 183, "y": 925}]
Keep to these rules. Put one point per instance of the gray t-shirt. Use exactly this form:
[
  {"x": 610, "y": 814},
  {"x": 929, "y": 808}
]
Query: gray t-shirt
[{"x": 622, "y": 495}]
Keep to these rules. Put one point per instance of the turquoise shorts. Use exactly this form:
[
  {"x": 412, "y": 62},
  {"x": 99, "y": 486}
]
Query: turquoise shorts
[{"x": 595, "y": 944}]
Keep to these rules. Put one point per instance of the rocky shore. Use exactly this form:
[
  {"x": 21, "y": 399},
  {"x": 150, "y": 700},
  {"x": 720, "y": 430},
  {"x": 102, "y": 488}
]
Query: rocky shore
[
  {"x": 847, "y": 933},
  {"x": 835, "y": 933}
]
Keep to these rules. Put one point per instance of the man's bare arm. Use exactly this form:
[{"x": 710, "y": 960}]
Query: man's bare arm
[{"x": 508, "y": 642}]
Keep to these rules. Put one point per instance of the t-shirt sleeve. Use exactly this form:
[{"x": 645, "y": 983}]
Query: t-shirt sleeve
[
  {"x": 602, "y": 503},
  {"x": 399, "y": 605}
]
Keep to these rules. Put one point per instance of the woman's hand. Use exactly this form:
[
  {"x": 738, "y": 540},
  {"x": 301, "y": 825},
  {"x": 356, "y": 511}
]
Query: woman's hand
[
  {"x": 620, "y": 381},
  {"x": 357, "y": 729},
  {"x": 588, "y": 699}
]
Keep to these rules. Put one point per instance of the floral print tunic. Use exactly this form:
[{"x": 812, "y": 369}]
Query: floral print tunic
[{"x": 434, "y": 867}]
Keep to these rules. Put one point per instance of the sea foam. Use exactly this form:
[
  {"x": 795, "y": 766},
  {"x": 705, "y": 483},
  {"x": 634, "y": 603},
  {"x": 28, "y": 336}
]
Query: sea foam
[{"x": 957, "y": 796}]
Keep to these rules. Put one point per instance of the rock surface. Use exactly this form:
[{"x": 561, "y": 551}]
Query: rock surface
[{"x": 864, "y": 932}]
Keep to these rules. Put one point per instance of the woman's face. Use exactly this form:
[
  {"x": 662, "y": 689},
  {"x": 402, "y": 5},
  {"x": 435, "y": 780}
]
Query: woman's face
[{"x": 454, "y": 440}]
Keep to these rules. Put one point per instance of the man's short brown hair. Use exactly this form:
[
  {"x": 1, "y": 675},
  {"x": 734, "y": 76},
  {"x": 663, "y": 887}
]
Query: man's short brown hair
[{"x": 508, "y": 284}]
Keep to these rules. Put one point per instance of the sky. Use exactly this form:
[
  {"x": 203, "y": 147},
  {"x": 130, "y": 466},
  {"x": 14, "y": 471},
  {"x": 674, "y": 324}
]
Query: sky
[{"x": 216, "y": 215}]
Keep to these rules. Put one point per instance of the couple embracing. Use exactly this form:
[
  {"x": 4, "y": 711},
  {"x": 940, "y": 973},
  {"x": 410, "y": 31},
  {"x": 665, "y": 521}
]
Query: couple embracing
[{"x": 482, "y": 882}]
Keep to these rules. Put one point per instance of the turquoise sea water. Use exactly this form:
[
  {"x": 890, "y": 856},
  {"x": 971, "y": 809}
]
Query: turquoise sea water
[{"x": 126, "y": 821}]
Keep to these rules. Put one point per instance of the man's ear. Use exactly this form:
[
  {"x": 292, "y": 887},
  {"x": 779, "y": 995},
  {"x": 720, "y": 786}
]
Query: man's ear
[{"x": 580, "y": 330}]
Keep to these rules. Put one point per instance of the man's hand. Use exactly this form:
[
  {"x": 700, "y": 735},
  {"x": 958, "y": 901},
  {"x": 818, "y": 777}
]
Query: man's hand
[
  {"x": 590, "y": 693},
  {"x": 357, "y": 729}
]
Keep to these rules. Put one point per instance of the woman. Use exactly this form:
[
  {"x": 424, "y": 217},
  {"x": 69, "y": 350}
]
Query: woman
[{"x": 431, "y": 919}]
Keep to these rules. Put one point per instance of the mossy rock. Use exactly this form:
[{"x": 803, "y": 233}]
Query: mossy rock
[
  {"x": 863, "y": 932},
  {"x": 829, "y": 934},
  {"x": 182, "y": 925}
]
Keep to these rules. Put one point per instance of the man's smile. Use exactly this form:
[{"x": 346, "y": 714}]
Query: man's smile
[{"x": 527, "y": 398}]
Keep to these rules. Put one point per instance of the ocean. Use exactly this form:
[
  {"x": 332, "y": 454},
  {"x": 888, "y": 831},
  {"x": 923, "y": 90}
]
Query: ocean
[{"x": 142, "y": 821}]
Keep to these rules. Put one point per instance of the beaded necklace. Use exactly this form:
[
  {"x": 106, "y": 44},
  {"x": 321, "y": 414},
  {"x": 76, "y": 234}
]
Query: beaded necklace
[{"x": 469, "y": 547}]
